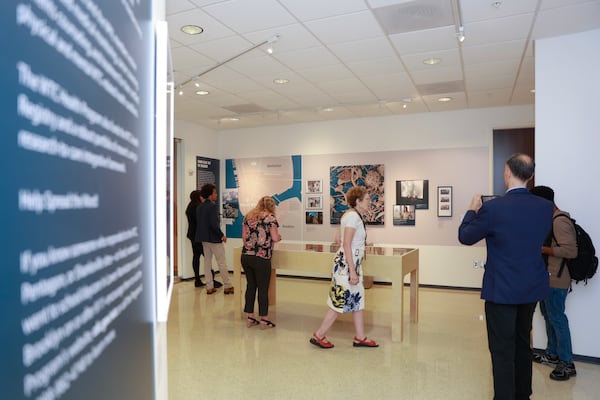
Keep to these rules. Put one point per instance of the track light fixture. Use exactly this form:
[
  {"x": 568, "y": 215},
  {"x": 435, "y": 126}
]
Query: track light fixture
[
  {"x": 268, "y": 41},
  {"x": 458, "y": 22},
  {"x": 461, "y": 34}
]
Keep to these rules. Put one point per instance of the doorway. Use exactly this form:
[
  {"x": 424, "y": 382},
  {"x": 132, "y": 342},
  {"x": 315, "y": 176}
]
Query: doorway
[{"x": 507, "y": 142}]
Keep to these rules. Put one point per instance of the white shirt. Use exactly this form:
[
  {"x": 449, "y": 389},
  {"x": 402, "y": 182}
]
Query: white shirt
[{"x": 351, "y": 219}]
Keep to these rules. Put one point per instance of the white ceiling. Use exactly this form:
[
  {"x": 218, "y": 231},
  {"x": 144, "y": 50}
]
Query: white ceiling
[{"x": 359, "y": 58}]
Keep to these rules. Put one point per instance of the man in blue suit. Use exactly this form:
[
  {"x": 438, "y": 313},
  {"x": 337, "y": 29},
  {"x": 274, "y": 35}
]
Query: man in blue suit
[{"x": 514, "y": 227}]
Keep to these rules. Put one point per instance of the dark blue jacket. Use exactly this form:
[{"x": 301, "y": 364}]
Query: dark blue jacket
[
  {"x": 514, "y": 227},
  {"x": 208, "y": 228}
]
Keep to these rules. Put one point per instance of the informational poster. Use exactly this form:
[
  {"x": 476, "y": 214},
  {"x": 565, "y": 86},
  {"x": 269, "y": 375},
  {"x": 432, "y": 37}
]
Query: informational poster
[
  {"x": 279, "y": 177},
  {"x": 77, "y": 287},
  {"x": 207, "y": 171}
]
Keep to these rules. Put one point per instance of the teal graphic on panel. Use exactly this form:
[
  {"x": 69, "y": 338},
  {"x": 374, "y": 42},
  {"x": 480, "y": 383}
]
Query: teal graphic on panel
[{"x": 252, "y": 178}]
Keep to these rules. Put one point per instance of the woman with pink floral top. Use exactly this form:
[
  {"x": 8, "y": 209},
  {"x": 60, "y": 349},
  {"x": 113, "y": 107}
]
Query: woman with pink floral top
[{"x": 260, "y": 231}]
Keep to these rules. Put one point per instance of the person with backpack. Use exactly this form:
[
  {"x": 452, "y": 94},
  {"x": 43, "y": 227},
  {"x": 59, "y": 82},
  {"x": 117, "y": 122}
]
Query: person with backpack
[{"x": 560, "y": 245}]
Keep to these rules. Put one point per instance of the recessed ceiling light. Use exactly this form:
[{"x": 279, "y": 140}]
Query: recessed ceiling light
[
  {"x": 404, "y": 106},
  {"x": 532, "y": 91},
  {"x": 444, "y": 99},
  {"x": 202, "y": 92},
  {"x": 192, "y": 29},
  {"x": 230, "y": 119},
  {"x": 432, "y": 61},
  {"x": 281, "y": 81},
  {"x": 328, "y": 109}
]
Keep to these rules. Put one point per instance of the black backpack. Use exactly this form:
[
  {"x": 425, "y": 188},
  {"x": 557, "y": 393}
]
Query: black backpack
[{"x": 584, "y": 266}]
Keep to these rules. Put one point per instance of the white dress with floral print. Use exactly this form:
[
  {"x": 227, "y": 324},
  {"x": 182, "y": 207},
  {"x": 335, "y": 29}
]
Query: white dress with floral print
[{"x": 344, "y": 297}]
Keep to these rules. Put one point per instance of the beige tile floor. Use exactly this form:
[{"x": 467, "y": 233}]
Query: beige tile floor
[{"x": 443, "y": 356}]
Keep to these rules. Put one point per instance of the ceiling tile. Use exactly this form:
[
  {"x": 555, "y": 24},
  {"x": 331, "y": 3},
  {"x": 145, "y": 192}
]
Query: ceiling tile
[
  {"x": 498, "y": 30},
  {"x": 306, "y": 10},
  {"x": 363, "y": 49},
  {"x": 429, "y": 40},
  {"x": 177, "y": 6},
  {"x": 478, "y": 10},
  {"x": 414, "y": 62},
  {"x": 186, "y": 58},
  {"x": 265, "y": 14},
  {"x": 345, "y": 28},
  {"x": 326, "y": 73},
  {"x": 258, "y": 66},
  {"x": 565, "y": 20},
  {"x": 307, "y": 58},
  {"x": 489, "y": 98},
  {"x": 442, "y": 74},
  {"x": 376, "y": 66},
  {"x": 212, "y": 29},
  {"x": 291, "y": 37},
  {"x": 225, "y": 48},
  {"x": 493, "y": 52}
]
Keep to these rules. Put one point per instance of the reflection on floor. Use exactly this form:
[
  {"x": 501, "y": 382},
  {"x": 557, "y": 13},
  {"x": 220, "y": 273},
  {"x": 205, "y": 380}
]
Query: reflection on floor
[{"x": 443, "y": 356}]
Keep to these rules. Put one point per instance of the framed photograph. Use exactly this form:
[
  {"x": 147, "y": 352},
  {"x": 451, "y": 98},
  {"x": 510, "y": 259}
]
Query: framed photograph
[
  {"x": 314, "y": 186},
  {"x": 444, "y": 201},
  {"x": 344, "y": 177},
  {"x": 415, "y": 192},
  {"x": 404, "y": 214},
  {"x": 314, "y": 217},
  {"x": 314, "y": 202}
]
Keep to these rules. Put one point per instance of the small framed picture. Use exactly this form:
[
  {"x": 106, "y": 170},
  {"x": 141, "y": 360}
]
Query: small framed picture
[
  {"x": 314, "y": 202},
  {"x": 404, "y": 214},
  {"x": 415, "y": 192},
  {"x": 314, "y": 217},
  {"x": 314, "y": 186},
  {"x": 444, "y": 201}
]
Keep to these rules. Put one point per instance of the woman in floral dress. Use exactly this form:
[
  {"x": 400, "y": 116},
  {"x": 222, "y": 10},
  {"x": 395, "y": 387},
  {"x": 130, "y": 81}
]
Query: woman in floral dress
[
  {"x": 347, "y": 293},
  {"x": 260, "y": 231}
]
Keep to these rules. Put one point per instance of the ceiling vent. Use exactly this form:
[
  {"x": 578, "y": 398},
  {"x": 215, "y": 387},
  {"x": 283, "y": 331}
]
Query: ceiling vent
[
  {"x": 441, "y": 88},
  {"x": 245, "y": 108},
  {"x": 415, "y": 15}
]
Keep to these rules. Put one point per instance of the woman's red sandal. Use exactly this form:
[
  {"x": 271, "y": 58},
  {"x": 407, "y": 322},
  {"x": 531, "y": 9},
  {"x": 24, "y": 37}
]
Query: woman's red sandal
[
  {"x": 321, "y": 342},
  {"x": 364, "y": 342}
]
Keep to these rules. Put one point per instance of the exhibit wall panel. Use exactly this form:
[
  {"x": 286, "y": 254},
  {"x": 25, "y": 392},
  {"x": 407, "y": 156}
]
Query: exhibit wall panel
[
  {"x": 467, "y": 133},
  {"x": 567, "y": 144},
  {"x": 78, "y": 289}
]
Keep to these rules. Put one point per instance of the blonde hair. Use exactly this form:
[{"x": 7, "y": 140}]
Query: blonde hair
[{"x": 266, "y": 205}]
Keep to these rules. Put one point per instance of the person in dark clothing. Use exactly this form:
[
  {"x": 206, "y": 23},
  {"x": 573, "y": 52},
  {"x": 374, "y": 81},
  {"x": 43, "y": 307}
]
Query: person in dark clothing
[
  {"x": 190, "y": 212},
  {"x": 514, "y": 227}
]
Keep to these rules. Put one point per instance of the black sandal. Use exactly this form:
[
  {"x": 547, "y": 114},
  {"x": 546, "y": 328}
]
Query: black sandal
[
  {"x": 250, "y": 322},
  {"x": 265, "y": 323}
]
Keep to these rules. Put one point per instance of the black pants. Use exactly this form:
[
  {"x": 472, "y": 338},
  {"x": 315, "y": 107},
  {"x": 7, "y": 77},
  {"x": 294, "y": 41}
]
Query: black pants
[
  {"x": 198, "y": 250},
  {"x": 509, "y": 340},
  {"x": 258, "y": 276}
]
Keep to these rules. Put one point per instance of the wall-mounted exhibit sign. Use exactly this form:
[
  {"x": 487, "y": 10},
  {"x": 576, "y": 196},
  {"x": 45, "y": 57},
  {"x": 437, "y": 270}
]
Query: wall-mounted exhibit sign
[
  {"x": 279, "y": 177},
  {"x": 77, "y": 289}
]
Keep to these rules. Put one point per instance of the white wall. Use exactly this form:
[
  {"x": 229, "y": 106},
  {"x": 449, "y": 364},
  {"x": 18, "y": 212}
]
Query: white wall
[
  {"x": 567, "y": 145},
  {"x": 439, "y": 265},
  {"x": 195, "y": 141},
  {"x": 464, "y": 128}
]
